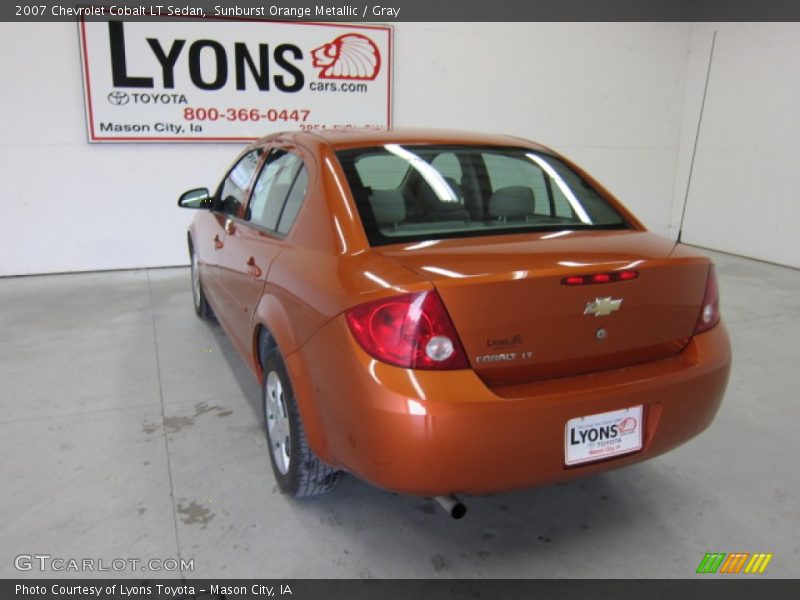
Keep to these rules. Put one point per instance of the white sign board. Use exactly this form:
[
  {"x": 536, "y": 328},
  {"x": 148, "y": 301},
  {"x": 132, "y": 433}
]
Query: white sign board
[{"x": 211, "y": 80}]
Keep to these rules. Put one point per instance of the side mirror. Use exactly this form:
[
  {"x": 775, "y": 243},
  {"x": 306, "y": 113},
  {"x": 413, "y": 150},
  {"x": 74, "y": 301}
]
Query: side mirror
[{"x": 197, "y": 198}]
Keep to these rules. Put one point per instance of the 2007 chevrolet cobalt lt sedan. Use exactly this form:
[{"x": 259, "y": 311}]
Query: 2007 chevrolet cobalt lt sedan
[{"x": 442, "y": 313}]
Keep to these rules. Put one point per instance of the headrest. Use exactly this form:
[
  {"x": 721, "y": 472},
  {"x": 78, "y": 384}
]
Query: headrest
[
  {"x": 511, "y": 201},
  {"x": 388, "y": 207}
]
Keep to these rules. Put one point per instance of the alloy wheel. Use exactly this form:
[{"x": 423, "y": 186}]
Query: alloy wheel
[
  {"x": 195, "y": 281},
  {"x": 278, "y": 432}
]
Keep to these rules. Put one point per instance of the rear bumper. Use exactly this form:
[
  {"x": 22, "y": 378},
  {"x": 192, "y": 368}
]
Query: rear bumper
[{"x": 429, "y": 433}]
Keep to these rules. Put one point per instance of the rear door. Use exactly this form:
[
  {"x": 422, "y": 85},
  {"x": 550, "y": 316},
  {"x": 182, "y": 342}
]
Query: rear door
[{"x": 255, "y": 240}]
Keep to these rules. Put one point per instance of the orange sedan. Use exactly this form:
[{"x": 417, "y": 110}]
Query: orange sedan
[{"x": 441, "y": 313}]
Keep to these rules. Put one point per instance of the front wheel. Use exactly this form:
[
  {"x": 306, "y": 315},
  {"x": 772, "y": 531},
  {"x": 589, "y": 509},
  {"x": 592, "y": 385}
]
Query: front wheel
[
  {"x": 201, "y": 306},
  {"x": 298, "y": 471}
]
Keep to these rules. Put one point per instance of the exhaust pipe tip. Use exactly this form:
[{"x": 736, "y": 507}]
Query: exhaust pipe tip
[
  {"x": 452, "y": 505},
  {"x": 458, "y": 511}
]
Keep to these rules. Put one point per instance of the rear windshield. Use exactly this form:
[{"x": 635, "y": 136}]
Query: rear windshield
[{"x": 411, "y": 192}]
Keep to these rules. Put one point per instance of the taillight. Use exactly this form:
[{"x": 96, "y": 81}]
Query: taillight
[
  {"x": 600, "y": 278},
  {"x": 412, "y": 331},
  {"x": 709, "y": 310}
]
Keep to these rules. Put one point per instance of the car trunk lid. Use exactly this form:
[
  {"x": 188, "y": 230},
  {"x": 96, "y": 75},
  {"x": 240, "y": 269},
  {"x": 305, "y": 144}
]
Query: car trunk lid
[{"x": 519, "y": 322}]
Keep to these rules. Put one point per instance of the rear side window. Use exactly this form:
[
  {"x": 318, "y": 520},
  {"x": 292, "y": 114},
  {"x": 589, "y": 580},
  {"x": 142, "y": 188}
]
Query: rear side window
[
  {"x": 293, "y": 201},
  {"x": 272, "y": 188},
  {"x": 233, "y": 188},
  {"x": 419, "y": 192}
]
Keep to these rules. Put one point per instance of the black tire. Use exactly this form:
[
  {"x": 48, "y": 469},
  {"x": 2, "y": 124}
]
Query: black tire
[
  {"x": 298, "y": 471},
  {"x": 201, "y": 306}
]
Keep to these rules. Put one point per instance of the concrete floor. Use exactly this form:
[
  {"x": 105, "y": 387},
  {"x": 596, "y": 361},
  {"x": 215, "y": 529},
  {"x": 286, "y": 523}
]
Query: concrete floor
[{"x": 131, "y": 429}]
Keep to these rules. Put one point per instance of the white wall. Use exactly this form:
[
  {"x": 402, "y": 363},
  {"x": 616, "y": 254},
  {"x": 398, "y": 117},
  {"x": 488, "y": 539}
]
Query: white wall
[
  {"x": 610, "y": 96},
  {"x": 745, "y": 187},
  {"x": 69, "y": 205}
]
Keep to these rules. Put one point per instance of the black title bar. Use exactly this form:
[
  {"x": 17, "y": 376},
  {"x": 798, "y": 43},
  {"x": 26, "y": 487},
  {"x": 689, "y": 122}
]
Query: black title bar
[{"x": 414, "y": 10}]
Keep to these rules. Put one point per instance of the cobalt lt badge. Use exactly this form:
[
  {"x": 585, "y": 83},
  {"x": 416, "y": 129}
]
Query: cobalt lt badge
[{"x": 601, "y": 307}]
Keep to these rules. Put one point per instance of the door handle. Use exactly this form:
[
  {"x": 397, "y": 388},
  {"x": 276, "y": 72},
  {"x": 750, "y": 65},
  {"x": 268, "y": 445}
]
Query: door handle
[
  {"x": 229, "y": 226},
  {"x": 253, "y": 269},
  {"x": 218, "y": 243}
]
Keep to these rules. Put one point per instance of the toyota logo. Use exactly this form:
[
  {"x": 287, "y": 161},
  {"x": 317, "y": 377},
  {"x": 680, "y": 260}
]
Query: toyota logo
[{"x": 118, "y": 98}]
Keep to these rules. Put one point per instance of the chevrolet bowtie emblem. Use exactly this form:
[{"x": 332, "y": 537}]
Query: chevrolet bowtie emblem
[{"x": 602, "y": 307}]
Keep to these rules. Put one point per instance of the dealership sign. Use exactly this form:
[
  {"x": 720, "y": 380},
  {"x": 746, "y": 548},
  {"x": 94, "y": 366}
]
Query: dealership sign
[{"x": 225, "y": 80}]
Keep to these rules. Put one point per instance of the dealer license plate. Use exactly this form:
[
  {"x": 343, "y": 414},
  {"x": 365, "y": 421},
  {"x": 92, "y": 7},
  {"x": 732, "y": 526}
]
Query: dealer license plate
[{"x": 600, "y": 436}]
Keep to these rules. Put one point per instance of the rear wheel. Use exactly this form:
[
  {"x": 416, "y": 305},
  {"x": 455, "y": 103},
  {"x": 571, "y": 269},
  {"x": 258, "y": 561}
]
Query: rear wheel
[
  {"x": 298, "y": 471},
  {"x": 201, "y": 306}
]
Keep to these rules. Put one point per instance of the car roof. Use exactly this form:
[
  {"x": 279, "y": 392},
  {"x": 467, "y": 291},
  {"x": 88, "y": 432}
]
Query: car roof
[{"x": 341, "y": 139}]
